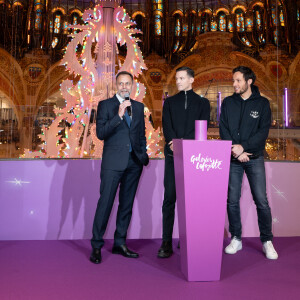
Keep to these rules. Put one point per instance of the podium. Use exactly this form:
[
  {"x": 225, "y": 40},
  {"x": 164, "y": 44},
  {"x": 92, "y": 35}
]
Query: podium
[{"x": 201, "y": 175}]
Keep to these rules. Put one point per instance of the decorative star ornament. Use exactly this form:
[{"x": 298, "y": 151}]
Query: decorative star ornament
[{"x": 17, "y": 182}]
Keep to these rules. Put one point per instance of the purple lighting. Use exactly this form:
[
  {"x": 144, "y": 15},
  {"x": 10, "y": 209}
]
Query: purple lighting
[
  {"x": 286, "y": 107},
  {"x": 219, "y": 105}
]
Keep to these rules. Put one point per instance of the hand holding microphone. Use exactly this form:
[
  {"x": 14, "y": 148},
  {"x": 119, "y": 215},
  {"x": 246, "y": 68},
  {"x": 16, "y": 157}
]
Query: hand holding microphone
[
  {"x": 125, "y": 105},
  {"x": 128, "y": 108}
]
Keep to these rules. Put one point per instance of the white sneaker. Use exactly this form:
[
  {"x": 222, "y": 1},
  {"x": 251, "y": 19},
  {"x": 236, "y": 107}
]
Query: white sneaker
[
  {"x": 269, "y": 250},
  {"x": 234, "y": 246}
]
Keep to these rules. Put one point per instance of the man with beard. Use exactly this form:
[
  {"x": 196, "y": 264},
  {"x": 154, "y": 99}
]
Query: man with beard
[
  {"x": 179, "y": 114},
  {"x": 121, "y": 125},
  {"x": 245, "y": 120}
]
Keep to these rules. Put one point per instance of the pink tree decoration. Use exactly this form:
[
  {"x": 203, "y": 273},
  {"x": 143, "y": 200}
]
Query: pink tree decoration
[{"x": 90, "y": 56}]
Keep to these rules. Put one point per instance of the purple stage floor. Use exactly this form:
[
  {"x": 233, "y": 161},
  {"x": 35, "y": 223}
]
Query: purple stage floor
[{"x": 61, "y": 270}]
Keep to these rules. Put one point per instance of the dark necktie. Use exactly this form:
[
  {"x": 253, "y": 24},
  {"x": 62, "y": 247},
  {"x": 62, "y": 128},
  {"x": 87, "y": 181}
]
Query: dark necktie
[
  {"x": 127, "y": 118},
  {"x": 128, "y": 121}
]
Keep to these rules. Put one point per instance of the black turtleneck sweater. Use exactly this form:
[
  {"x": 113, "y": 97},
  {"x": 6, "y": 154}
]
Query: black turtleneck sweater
[
  {"x": 246, "y": 122},
  {"x": 180, "y": 112}
]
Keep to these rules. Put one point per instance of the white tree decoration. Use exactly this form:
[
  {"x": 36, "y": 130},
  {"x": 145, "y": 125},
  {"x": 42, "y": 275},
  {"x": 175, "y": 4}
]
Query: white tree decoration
[{"x": 90, "y": 56}]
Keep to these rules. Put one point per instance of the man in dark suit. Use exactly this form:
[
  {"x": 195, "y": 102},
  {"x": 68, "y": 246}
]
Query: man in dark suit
[
  {"x": 121, "y": 125},
  {"x": 179, "y": 114}
]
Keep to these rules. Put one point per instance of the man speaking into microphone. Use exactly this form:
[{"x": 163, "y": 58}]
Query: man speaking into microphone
[{"x": 121, "y": 125}]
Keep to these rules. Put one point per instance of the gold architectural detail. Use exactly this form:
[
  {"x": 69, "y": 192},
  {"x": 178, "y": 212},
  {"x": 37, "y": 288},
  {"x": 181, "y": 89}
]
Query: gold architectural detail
[
  {"x": 242, "y": 7},
  {"x": 138, "y": 13},
  {"x": 76, "y": 10},
  {"x": 192, "y": 11},
  {"x": 256, "y": 3},
  {"x": 17, "y": 3},
  {"x": 178, "y": 11},
  {"x": 225, "y": 10},
  {"x": 56, "y": 9},
  {"x": 205, "y": 10}
]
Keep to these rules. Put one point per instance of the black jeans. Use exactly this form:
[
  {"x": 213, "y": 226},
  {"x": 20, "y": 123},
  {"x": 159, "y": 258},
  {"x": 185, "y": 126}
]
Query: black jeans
[
  {"x": 255, "y": 171},
  {"x": 168, "y": 209}
]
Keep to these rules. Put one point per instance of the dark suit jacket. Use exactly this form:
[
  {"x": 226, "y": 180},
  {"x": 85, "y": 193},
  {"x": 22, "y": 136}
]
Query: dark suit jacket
[{"x": 117, "y": 135}]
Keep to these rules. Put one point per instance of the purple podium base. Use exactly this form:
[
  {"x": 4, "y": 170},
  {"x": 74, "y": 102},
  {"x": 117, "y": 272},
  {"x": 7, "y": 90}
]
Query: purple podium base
[
  {"x": 57, "y": 199},
  {"x": 201, "y": 172}
]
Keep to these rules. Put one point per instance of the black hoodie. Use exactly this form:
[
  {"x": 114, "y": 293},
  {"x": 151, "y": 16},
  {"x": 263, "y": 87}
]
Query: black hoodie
[{"x": 246, "y": 122}]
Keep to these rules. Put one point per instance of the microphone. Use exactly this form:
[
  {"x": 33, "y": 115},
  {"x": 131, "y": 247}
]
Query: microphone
[{"x": 128, "y": 108}]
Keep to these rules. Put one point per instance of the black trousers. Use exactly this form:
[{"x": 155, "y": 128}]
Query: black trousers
[
  {"x": 110, "y": 180},
  {"x": 168, "y": 209}
]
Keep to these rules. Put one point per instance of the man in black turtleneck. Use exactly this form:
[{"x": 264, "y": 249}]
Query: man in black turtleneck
[
  {"x": 179, "y": 115},
  {"x": 245, "y": 120}
]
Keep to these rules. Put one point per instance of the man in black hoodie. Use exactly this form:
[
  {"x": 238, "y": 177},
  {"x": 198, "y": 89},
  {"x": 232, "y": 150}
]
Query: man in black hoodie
[
  {"x": 179, "y": 115},
  {"x": 245, "y": 120}
]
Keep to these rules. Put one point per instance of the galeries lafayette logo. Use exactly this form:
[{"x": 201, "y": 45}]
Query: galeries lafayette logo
[{"x": 205, "y": 163}]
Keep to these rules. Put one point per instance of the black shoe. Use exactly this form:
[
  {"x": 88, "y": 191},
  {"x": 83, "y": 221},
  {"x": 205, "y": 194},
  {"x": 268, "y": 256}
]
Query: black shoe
[
  {"x": 165, "y": 250},
  {"x": 123, "y": 250},
  {"x": 96, "y": 256}
]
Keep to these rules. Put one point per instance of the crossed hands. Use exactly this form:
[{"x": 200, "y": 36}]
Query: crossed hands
[{"x": 237, "y": 152}]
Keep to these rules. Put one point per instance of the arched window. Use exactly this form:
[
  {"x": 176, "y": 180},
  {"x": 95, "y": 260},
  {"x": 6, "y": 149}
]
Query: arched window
[
  {"x": 191, "y": 23},
  {"x": 274, "y": 17},
  {"x": 205, "y": 22},
  {"x": 277, "y": 21},
  {"x": 261, "y": 39},
  {"x": 240, "y": 20},
  {"x": 38, "y": 9},
  {"x": 17, "y": 7},
  {"x": 281, "y": 17},
  {"x": 57, "y": 23},
  {"x": 177, "y": 31},
  {"x": 158, "y": 14},
  {"x": 18, "y": 11},
  {"x": 213, "y": 24},
  {"x": 139, "y": 18},
  {"x": 277, "y": 16},
  {"x": 230, "y": 26},
  {"x": 249, "y": 24},
  {"x": 157, "y": 25},
  {"x": 179, "y": 27},
  {"x": 176, "y": 46},
  {"x": 275, "y": 35},
  {"x": 54, "y": 42},
  {"x": 65, "y": 27},
  {"x": 258, "y": 25},
  {"x": 258, "y": 18},
  {"x": 75, "y": 19},
  {"x": 246, "y": 42},
  {"x": 222, "y": 21}
]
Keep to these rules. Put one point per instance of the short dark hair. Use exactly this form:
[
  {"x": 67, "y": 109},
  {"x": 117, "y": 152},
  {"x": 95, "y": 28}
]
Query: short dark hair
[
  {"x": 189, "y": 71},
  {"x": 247, "y": 73},
  {"x": 124, "y": 73}
]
